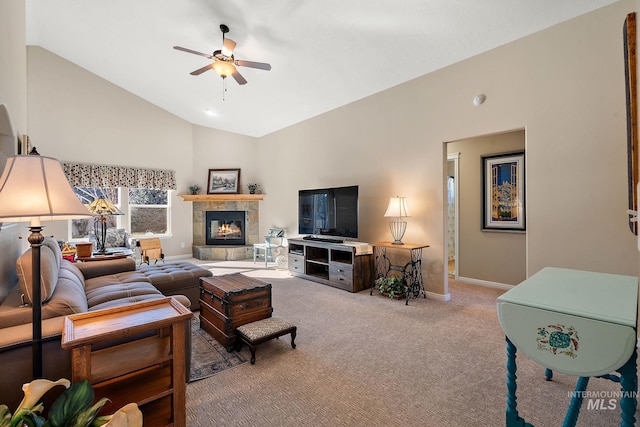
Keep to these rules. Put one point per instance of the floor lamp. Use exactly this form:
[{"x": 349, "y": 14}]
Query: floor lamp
[
  {"x": 101, "y": 207},
  {"x": 34, "y": 188}
]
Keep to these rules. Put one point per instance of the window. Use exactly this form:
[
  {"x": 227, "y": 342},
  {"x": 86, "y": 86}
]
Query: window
[
  {"x": 149, "y": 211},
  {"x": 81, "y": 229}
]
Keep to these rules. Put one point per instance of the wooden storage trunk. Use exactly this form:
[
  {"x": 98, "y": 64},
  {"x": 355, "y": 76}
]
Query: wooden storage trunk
[{"x": 232, "y": 300}]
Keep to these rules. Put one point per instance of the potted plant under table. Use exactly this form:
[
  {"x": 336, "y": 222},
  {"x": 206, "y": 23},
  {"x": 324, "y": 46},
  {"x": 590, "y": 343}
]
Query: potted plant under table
[{"x": 392, "y": 286}]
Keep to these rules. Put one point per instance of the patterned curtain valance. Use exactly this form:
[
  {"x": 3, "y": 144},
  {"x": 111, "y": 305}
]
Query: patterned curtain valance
[{"x": 91, "y": 175}]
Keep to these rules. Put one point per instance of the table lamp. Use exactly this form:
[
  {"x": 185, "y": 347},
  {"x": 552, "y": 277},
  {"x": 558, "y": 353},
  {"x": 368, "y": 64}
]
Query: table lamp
[
  {"x": 397, "y": 209},
  {"x": 101, "y": 207},
  {"x": 34, "y": 188}
]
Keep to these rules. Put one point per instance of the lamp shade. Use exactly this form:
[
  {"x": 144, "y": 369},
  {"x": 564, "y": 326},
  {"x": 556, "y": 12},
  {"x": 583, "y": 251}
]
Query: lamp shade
[
  {"x": 102, "y": 206},
  {"x": 227, "y": 47},
  {"x": 397, "y": 208},
  {"x": 224, "y": 69},
  {"x": 34, "y": 188}
]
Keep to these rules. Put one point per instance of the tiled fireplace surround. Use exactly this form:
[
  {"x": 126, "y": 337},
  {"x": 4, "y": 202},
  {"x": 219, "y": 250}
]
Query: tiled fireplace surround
[{"x": 221, "y": 252}]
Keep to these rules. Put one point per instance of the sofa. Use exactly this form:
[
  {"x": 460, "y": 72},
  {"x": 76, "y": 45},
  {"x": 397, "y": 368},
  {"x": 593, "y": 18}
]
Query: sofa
[{"x": 69, "y": 288}]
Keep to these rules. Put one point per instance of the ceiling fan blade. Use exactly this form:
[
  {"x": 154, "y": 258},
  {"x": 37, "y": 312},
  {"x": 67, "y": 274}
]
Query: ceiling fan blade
[
  {"x": 251, "y": 64},
  {"x": 184, "y": 49},
  {"x": 238, "y": 77},
  {"x": 201, "y": 70}
]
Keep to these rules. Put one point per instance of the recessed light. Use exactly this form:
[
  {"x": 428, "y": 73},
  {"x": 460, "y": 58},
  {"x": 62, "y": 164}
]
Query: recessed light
[{"x": 209, "y": 112}]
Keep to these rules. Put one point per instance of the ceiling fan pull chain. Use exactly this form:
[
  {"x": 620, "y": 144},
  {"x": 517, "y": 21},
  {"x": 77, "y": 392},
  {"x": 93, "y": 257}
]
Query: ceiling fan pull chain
[{"x": 224, "y": 88}]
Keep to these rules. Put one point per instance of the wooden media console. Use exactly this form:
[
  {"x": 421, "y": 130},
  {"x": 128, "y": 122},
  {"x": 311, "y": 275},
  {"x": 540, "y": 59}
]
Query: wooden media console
[{"x": 334, "y": 264}]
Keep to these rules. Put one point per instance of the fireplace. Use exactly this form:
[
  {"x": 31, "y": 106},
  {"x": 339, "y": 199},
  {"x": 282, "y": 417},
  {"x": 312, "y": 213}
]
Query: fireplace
[
  {"x": 247, "y": 203},
  {"x": 225, "y": 227}
]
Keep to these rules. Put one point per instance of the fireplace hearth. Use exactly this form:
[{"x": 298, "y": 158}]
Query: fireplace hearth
[{"x": 225, "y": 228}]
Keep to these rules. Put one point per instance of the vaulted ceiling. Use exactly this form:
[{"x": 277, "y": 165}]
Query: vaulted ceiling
[{"x": 324, "y": 54}]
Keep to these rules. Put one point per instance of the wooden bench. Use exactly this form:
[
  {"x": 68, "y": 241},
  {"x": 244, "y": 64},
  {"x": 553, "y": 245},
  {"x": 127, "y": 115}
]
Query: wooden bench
[{"x": 255, "y": 333}]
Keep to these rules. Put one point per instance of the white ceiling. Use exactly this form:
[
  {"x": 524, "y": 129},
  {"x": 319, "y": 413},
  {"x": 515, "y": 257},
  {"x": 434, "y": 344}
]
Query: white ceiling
[{"x": 324, "y": 54}]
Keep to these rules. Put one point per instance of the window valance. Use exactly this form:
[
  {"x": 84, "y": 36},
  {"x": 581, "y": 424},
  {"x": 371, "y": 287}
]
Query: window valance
[{"x": 104, "y": 176}]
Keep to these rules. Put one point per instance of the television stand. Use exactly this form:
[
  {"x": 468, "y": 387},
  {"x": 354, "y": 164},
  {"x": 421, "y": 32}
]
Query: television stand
[
  {"x": 330, "y": 263},
  {"x": 323, "y": 239}
]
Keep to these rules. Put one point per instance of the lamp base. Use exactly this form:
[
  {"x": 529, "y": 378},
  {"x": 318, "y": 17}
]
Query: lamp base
[
  {"x": 100, "y": 231},
  {"x": 35, "y": 240},
  {"x": 397, "y": 226}
]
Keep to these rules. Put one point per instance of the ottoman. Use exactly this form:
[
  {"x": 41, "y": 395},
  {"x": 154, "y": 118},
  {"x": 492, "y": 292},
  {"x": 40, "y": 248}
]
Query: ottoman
[
  {"x": 177, "y": 278},
  {"x": 264, "y": 330}
]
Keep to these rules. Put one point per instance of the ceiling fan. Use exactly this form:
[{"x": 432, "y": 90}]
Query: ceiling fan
[{"x": 224, "y": 62}]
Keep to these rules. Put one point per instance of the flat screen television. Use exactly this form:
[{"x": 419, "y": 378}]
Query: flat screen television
[{"x": 329, "y": 211}]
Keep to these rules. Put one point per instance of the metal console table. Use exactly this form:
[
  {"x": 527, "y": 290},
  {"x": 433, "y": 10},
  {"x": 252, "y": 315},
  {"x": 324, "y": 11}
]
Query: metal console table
[{"x": 411, "y": 271}]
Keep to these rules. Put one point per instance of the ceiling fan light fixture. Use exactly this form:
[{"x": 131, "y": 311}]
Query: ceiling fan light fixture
[
  {"x": 223, "y": 69},
  {"x": 227, "y": 47}
]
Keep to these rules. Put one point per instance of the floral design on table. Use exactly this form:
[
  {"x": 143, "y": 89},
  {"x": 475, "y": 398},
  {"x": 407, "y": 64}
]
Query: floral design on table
[{"x": 559, "y": 339}]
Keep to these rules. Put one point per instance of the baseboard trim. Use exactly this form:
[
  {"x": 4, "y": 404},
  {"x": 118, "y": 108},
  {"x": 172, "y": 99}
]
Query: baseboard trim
[
  {"x": 176, "y": 257},
  {"x": 441, "y": 297},
  {"x": 484, "y": 283}
]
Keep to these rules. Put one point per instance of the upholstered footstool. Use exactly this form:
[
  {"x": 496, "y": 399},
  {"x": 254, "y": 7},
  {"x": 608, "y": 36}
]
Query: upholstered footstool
[
  {"x": 255, "y": 333},
  {"x": 176, "y": 278}
]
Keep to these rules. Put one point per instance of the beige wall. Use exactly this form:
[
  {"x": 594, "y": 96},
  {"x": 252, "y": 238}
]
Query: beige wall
[
  {"x": 490, "y": 256},
  {"x": 13, "y": 95},
  {"x": 13, "y": 62},
  {"x": 565, "y": 86},
  {"x": 76, "y": 116}
]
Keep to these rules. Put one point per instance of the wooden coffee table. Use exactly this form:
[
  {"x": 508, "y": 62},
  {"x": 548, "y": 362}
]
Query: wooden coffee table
[{"x": 107, "y": 256}]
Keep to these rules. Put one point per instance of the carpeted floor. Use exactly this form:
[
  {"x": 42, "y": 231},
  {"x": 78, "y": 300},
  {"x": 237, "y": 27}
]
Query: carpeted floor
[
  {"x": 366, "y": 360},
  {"x": 208, "y": 357}
]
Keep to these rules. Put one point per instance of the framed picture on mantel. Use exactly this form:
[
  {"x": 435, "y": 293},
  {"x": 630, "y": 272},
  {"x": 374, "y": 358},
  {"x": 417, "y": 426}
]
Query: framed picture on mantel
[{"x": 223, "y": 181}]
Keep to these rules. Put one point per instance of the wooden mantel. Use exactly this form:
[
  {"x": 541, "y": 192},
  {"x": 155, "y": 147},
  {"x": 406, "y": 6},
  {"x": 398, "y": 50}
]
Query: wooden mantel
[{"x": 220, "y": 197}]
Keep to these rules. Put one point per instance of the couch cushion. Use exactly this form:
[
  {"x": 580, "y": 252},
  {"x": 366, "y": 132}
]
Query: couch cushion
[
  {"x": 110, "y": 279},
  {"x": 174, "y": 276},
  {"x": 68, "y": 298},
  {"x": 120, "y": 293},
  {"x": 49, "y": 265},
  {"x": 52, "y": 244},
  {"x": 102, "y": 268}
]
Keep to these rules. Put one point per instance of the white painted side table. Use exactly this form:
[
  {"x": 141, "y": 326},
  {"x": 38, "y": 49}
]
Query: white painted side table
[{"x": 575, "y": 322}]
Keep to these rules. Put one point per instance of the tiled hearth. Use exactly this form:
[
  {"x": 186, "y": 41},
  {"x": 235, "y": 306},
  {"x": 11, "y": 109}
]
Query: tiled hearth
[{"x": 238, "y": 202}]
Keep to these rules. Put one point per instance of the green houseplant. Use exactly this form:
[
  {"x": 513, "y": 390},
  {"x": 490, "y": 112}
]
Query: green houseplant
[
  {"x": 393, "y": 286},
  {"x": 193, "y": 189}
]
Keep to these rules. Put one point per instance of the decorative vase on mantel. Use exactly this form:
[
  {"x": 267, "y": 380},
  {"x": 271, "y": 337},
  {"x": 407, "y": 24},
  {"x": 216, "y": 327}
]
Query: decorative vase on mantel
[
  {"x": 194, "y": 189},
  {"x": 253, "y": 188}
]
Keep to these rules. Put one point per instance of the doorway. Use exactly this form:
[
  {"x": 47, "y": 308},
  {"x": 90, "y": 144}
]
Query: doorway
[
  {"x": 479, "y": 255},
  {"x": 452, "y": 214}
]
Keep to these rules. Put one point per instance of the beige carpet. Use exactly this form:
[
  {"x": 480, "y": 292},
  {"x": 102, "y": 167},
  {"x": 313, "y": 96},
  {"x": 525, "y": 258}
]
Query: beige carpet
[{"x": 369, "y": 361}]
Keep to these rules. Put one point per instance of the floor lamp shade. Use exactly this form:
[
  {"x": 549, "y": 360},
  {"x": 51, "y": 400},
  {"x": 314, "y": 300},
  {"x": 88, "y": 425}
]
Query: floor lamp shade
[
  {"x": 34, "y": 188},
  {"x": 397, "y": 209}
]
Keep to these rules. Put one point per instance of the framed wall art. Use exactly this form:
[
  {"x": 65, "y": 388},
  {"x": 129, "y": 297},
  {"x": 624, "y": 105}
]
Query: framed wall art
[
  {"x": 223, "y": 181},
  {"x": 503, "y": 190},
  {"x": 629, "y": 36}
]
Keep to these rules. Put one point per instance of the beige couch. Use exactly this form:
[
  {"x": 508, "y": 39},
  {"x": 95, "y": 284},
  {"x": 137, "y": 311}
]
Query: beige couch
[{"x": 69, "y": 288}]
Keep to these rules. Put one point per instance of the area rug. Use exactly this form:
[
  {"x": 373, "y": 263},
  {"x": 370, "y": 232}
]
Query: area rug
[{"x": 208, "y": 357}]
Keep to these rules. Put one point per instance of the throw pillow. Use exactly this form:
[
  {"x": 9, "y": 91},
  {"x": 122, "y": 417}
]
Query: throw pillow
[{"x": 116, "y": 238}]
